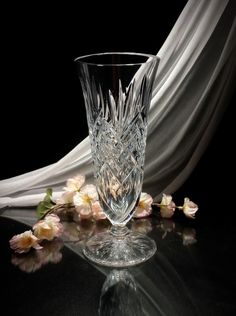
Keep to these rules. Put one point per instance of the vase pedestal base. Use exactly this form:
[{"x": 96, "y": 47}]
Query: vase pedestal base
[{"x": 119, "y": 251}]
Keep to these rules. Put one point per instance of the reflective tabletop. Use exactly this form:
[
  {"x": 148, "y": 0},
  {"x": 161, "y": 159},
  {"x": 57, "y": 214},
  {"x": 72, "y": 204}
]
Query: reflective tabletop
[{"x": 192, "y": 272}]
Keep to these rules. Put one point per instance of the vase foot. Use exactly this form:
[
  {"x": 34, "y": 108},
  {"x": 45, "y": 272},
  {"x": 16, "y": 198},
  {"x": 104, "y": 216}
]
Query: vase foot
[{"x": 129, "y": 250}]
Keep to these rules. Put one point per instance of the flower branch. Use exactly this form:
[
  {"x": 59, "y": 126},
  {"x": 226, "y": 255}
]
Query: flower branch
[{"x": 80, "y": 201}]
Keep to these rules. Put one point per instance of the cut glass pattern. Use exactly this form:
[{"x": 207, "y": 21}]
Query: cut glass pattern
[{"x": 118, "y": 139}]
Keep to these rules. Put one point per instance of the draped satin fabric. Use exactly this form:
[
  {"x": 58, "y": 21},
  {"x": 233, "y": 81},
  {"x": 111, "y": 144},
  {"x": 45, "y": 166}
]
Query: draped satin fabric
[{"x": 191, "y": 90}]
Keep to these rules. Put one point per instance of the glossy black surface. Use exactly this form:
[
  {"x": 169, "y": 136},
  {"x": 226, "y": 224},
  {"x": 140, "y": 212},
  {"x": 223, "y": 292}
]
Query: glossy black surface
[{"x": 192, "y": 273}]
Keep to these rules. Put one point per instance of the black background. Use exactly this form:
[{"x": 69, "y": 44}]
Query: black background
[
  {"x": 43, "y": 118},
  {"x": 43, "y": 114}
]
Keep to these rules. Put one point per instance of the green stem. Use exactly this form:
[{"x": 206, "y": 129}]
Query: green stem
[
  {"x": 55, "y": 208},
  {"x": 159, "y": 205}
]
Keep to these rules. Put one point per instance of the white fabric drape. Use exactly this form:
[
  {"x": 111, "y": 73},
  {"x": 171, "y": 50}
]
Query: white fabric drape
[{"x": 191, "y": 90}]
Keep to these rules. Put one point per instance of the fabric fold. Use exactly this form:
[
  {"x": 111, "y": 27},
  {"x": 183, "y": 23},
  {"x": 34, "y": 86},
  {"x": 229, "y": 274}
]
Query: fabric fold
[{"x": 191, "y": 90}]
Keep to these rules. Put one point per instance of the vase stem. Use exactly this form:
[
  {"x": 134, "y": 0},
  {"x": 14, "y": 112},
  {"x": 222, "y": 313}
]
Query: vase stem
[{"x": 119, "y": 231}]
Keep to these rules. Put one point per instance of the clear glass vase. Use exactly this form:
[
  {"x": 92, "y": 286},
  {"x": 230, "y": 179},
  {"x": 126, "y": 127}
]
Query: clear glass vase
[{"x": 117, "y": 90}]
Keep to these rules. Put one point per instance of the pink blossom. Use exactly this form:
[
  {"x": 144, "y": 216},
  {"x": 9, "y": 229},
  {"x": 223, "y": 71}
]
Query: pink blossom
[
  {"x": 90, "y": 192},
  {"x": 144, "y": 207},
  {"x": 167, "y": 206},
  {"x": 97, "y": 211},
  {"x": 84, "y": 212},
  {"x": 24, "y": 242},
  {"x": 74, "y": 184},
  {"x": 48, "y": 228},
  {"x": 83, "y": 201},
  {"x": 66, "y": 197},
  {"x": 189, "y": 208}
]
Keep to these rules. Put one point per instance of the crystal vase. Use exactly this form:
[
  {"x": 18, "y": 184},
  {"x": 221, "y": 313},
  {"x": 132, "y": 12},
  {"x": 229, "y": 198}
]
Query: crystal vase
[{"x": 117, "y": 90}]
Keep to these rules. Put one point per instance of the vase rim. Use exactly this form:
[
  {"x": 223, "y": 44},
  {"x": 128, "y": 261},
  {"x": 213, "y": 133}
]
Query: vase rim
[{"x": 150, "y": 59}]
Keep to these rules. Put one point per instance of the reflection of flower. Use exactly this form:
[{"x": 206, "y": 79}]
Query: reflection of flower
[
  {"x": 101, "y": 227},
  {"x": 167, "y": 206},
  {"x": 189, "y": 236},
  {"x": 71, "y": 231},
  {"x": 142, "y": 226},
  {"x": 34, "y": 260},
  {"x": 48, "y": 228},
  {"x": 51, "y": 251},
  {"x": 29, "y": 262},
  {"x": 167, "y": 226},
  {"x": 189, "y": 208},
  {"x": 24, "y": 242},
  {"x": 144, "y": 207},
  {"x": 79, "y": 231}
]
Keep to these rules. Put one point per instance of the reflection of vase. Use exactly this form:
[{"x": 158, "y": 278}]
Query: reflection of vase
[
  {"x": 117, "y": 91},
  {"x": 120, "y": 295}
]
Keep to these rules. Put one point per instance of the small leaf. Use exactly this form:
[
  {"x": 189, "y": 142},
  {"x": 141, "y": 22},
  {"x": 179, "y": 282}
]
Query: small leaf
[
  {"x": 49, "y": 191},
  {"x": 41, "y": 209},
  {"x": 48, "y": 196},
  {"x": 45, "y": 205}
]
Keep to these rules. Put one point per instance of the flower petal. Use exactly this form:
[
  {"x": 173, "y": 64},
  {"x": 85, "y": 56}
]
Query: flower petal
[
  {"x": 75, "y": 183},
  {"x": 24, "y": 242},
  {"x": 167, "y": 211},
  {"x": 166, "y": 199},
  {"x": 141, "y": 212},
  {"x": 49, "y": 228},
  {"x": 189, "y": 208},
  {"x": 90, "y": 191},
  {"x": 66, "y": 197},
  {"x": 144, "y": 207}
]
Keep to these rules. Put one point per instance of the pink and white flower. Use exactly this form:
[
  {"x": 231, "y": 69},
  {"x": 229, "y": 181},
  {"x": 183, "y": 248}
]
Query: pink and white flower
[
  {"x": 144, "y": 207},
  {"x": 189, "y": 208},
  {"x": 24, "y": 242},
  {"x": 167, "y": 206},
  {"x": 84, "y": 199},
  {"x": 49, "y": 228},
  {"x": 66, "y": 198},
  {"x": 74, "y": 184}
]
